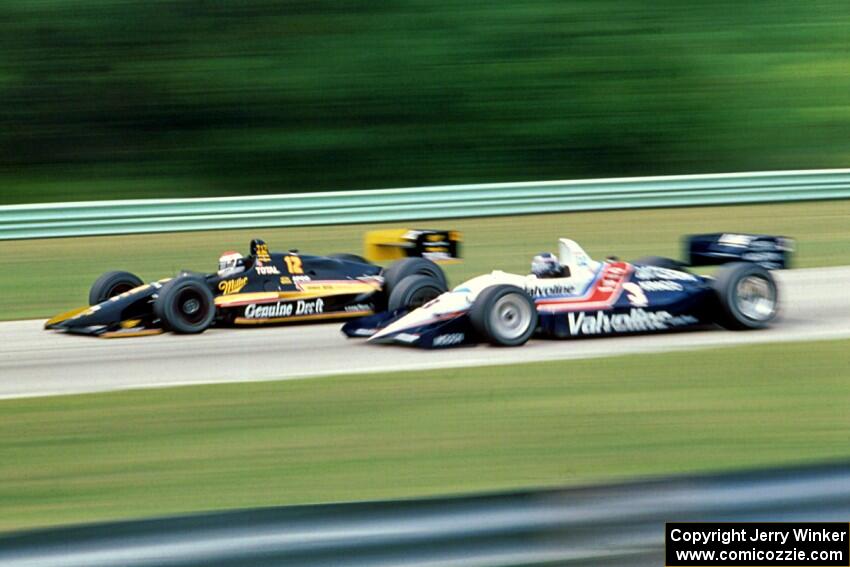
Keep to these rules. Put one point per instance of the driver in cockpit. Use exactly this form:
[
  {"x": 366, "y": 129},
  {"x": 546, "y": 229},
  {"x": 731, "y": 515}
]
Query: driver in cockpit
[
  {"x": 230, "y": 263},
  {"x": 546, "y": 265}
]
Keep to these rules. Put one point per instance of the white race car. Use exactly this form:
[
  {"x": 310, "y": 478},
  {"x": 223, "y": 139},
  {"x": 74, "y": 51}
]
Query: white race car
[{"x": 573, "y": 296}]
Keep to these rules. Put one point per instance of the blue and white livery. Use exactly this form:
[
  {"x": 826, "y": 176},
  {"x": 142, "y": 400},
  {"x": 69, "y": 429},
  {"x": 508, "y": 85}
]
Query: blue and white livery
[{"x": 591, "y": 299}]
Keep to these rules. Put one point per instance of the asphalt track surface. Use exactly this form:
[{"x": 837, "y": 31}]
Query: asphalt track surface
[{"x": 815, "y": 305}]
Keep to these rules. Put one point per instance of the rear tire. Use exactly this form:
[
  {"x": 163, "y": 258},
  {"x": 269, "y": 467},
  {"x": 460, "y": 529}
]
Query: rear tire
[
  {"x": 504, "y": 315},
  {"x": 414, "y": 291},
  {"x": 747, "y": 295},
  {"x": 397, "y": 271},
  {"x": 111, "y": 284},
  {"x": 185, "y": 305}
]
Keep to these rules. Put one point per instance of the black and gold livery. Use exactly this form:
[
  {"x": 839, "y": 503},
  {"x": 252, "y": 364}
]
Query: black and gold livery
[{"x": 273, "y": 288}]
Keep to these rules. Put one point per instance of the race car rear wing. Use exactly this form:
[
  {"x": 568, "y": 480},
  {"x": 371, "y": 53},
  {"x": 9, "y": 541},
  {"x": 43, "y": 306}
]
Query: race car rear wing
[
  {"x": 441, "y": 246},
  {"x": 771, "y": 252}
]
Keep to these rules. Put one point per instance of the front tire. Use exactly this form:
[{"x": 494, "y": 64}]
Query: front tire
[
  {"x": 414, "y": 291},
  {"x": 504, "y": 315},
  {"x": 111, "y": 284},
  {"x": 748, "y": 296},
  {"x": 185, "y": 305}
]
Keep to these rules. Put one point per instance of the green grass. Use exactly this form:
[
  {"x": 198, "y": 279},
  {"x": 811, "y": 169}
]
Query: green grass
[
  {"x": 44, "y": 277},
  {"x": 149, "y": 452}
]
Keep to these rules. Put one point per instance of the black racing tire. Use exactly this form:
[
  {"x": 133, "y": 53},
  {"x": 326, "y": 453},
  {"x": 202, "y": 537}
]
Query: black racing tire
[
  {"x": 350, "y": 258},
  {"x": 747, "y": 295},
  {"x": 504, "y": 315},
  {"x": 414, "y": 291},
  {"x": 397, "y": 271},
  {"x": 660, "y": 262},
  {"x": 111, "y": 284},
  {"x": 185, "y": 305}
]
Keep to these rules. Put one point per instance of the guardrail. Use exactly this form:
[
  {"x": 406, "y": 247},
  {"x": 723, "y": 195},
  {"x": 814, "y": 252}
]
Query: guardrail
[
  {"x": 620, "y": 524},
  {"x": 452, "y": 201}
]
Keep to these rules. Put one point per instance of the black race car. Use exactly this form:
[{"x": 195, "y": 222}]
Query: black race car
[{"x": 261, "y": 288}]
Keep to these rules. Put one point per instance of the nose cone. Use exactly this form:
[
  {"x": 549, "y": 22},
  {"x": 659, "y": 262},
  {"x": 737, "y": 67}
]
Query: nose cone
[
  {"x": 389, "y": 333},
  {"x": 89, "y": 320},
  {"x": 389, "y": 336},
  {"x": 60, "y": 321},
  {"x": 405, "y": 329},
  {"x": 424, "y": 321}
]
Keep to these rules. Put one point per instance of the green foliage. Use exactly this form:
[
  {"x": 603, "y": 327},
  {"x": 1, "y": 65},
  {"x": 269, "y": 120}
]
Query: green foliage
[{"x": 110, "y": 98}]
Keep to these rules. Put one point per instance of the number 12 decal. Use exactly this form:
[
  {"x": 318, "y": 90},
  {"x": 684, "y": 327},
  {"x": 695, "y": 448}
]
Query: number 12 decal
[{"x": 293, "y": 264}]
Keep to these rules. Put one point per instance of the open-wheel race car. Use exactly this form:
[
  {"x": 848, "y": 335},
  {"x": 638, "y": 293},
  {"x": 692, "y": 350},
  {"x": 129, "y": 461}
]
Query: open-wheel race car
[
  {"x": 572, "y": 296},
  {"x": 260, "y": 288}
]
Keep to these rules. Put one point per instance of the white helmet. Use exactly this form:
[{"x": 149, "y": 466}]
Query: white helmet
[
  {"x": 546, "y": 265},
  {"x": 230, "y": 263}
]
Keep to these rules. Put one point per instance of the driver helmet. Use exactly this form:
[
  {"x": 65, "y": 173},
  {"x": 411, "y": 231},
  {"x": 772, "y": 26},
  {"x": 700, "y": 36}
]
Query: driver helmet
[
  {"x": 546, "y": 265},
  {"x": 230, "y": 263}
]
